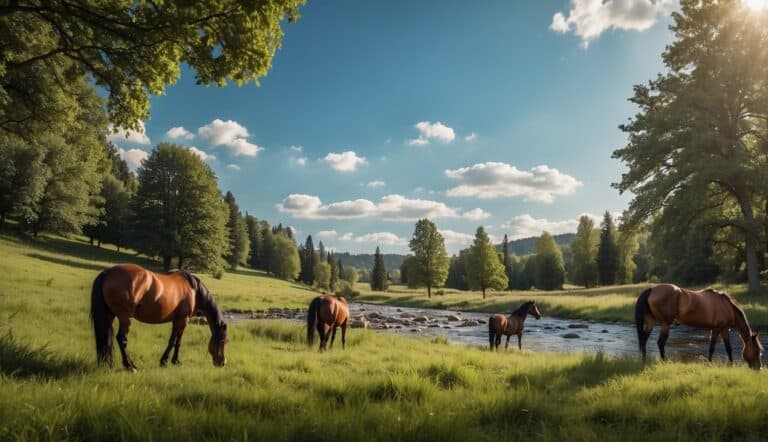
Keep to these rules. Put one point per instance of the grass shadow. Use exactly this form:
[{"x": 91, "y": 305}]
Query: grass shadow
[
  {"x": 67, "y": 262},
  {"x": 592, "y": 370},
  {"x": 19, "y": 360}
]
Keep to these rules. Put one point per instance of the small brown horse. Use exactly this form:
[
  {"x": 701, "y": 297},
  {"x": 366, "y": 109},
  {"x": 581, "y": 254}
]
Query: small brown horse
[
  {"x": 327, "y": 313},
  {"x": 129, "y": 291},
  {"x": 513, "y": 324},
  {"x": 708, "y": 308}
]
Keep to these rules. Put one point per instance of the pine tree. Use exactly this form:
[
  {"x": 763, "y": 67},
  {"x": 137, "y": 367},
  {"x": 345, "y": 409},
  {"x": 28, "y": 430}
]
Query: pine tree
[
  {"x": 340, "y": 267},
  {"x": 456, "y": 271},
  {"x": 308, "y": 261},
  {"x": 321, "y": 251},
  {"x": 379, "y": 280},
  {"x": 607, "y": 252},
  {"x": 254, "y": 238},
  {"x": 584, "y": 248},
  {"x": 430, "y": 260},
  {"x": 627, "y": 249},
  {"x": 550, "y": 270},
  {"x": 506, "y": 261},
  {"x": 484, "y": 269},
  {"x": 334, "y": 277},
  {"x": 239, "y": 243}
]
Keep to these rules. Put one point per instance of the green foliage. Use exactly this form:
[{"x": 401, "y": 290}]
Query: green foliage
[
  {"x": 429, "y": 266},
  {"x": 284, "y": 257},
  {"x": 627, "y": 248},
  {"x": 334, "y": 277},
  {"x": 700, "y": 131},
  {"x": 254, "y": 228},
  {"x": 607, "y": 252},
  {"x": 322, "y": 272},
  {"x": 456, "y": 272},
  {"x": 379, "y": 279},
  {"x": 584, "y": 249},
  {"x": 505, "y": 259},
  {"x": 550, "y": 270},
  {"x": 131, "y": 50},
  {"x": 351, "y": 275},
  {"x": 178, "y": 210},
  {"x": 115, "y": 222},
  {"x": 23, "y": 175},
  {"x": 309, "y": 259},
  {"x": 484, "y": 269},
  {"x": 239, "y": 242}
]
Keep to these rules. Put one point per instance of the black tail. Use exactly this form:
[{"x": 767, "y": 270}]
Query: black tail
[
  {"x": 102, "y": 319},
  {"x": 641, "y": 309},
  {"x": 491, "y": 332},
  {"x": 312, "y": 320}
]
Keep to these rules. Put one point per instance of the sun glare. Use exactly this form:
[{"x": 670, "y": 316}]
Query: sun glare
[{"x": 755, "y": 5}]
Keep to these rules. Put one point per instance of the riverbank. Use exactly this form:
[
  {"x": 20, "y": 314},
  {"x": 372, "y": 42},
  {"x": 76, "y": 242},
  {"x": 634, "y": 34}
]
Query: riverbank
[{"x": 603, "y": 304}]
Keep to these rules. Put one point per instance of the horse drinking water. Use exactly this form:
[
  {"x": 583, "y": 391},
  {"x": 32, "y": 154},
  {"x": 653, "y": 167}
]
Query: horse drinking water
[
  {"x": 129, "y": 291},
  {"x": 708, "y": 308},
  {"x": 513, "y": 324},
  {"x": 326, "y": 313}
]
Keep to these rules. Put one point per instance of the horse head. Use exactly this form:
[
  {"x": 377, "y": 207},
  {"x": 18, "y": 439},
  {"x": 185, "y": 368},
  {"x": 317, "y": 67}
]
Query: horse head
[
  {"x": 217, "y": 343},
  {"x": 752, "y": 351},
  {"x": 533, "y": 309}
]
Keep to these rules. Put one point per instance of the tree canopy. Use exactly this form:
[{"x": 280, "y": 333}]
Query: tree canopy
[
  {"x": 429, "y": 265},
  {"x": 483, "y": 266}
]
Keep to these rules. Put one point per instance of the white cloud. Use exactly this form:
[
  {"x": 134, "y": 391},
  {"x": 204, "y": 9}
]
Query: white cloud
[
  {"x": 345, "y": 161},
  {"x": 471, "y": 137},
  {"x": 118, "y": 135},
  {"x": 346, "y": 237},
  {"x": 376, "y": 183},
  {"x": 494, "y": 180},
  {"x": 230, "y": 134},
  {"x": 432, "y": 131},
  {"x": 524, "y": 226},
  {"x": 381, "y": 238},
  {"x": 233, "y": 166},
  {"x": 326, "y": 234},
  {"x": 203, "y": 155},
  {"x": 297, "y": 148},
  {"x": 456, "y": 238},
  {"x": 300, "y": 161},
  {"x": 179, "y": 132},
  {"x": 133, "y": 157},
  {"x": 390, "y": 208},
  {"x": 588, "y": 19},
  {"x": 475, "y": 214}
]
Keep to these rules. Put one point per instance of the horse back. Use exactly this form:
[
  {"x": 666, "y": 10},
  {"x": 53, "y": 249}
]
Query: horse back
[
  {"x": 499, "y": 323},
  {"x": 706, "y": 309}
]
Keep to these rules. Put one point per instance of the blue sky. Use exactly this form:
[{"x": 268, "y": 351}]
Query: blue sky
[{"x": 499, "y": 113}]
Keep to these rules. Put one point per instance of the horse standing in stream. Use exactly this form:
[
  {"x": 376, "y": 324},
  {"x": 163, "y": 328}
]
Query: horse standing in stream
[
  {"x": 513, "y": 324},
  {"x": 327, "y": 313},
  {"x": 708, "y": 308},
  {"x": 129, "y": 291}
]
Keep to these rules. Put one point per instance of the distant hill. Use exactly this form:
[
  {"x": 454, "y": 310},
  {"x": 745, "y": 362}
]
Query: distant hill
[
  {"x": 526, "y": 246},
  {"x": 519, "y": 247},
  {"x": 365, "y": 260}
]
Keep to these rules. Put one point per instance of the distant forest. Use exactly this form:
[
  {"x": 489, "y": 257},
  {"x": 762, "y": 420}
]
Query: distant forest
[{"x": 519, "y": 247}]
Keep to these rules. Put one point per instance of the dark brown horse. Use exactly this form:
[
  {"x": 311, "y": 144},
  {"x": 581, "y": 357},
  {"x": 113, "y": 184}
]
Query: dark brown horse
[
  {"x": 129, "y": 291},
  {"x": 513, "y": 324},
  {"x": 709, "y": 308},
  {"x": 326, "y": 314}
]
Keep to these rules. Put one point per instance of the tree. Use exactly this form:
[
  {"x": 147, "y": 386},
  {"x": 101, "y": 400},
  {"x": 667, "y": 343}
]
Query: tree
[
  {"x": 519, "y": 279},
  {"x": 322, "y": 272},
  {"x": 254, "y": 238},
  {"x": 115, "y": 225},
  {"x": 627, "y": 247},
  {"x": 130, "y": 50},
  {"x": 584, "y": 249},
  {"x": 404, "y": 269},
  {"x": 179, "y": 212},
  {"x": 430, "y": 261},
  {"x": 379, "y": 280},
  {"x": 308, "y": 261},
  {"x": 239, "y": 243},
  {"x": 505, "y": 259},
  {"x": 334, "y": 277},
  {"x": 321, "y": 251},
  {"x": 607, "y": 252},
  {"x": 23, "y": 175},
  {"x": 701, "y": 129},
  {"x": 284, "y": 257},
  {"x": 456, "y": 271},
  {"x": 484, "y": 269},
  {"x": 550, "y": 270},
  {"x": 340, "y": 268},
  {"x": 351, "y": 275}
]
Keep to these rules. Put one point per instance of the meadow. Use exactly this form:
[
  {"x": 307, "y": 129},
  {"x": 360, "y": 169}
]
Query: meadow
[{"x": 382, "y": 387}]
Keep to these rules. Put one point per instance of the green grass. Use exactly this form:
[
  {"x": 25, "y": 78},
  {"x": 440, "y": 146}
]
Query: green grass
[
  {"x": 614, "y": 303},
  {"x": 382, "y": 387}
]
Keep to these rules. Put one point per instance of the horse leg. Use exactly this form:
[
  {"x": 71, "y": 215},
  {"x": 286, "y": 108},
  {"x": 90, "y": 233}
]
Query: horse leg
[
  {"x": 498, "y": 341},
  {"x": 321, "y": 333},
  {"x": 712, "y": 341},
  {"x": 506, "y": 345},
  {"x": 344, "y": 335},
  {"x": 333, "y": 335},
  {"x": 649, "y": 324},
  {"x": 122, "y": 341},
  {"x": 175, "y": 360},
  {"x": 663, "y": 335},
  {"x": 520, "y": 340},
  {"x": 491, "y": 337},
  {"x": 171, "y": 343},
  {"x": 727, "y": 341}
]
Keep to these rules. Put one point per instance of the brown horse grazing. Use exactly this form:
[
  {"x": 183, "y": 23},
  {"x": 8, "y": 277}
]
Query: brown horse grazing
[
  {"x": 709, "y": 308},
  {"x": 129, "y": 291},
  {"x": 513, "y": 324},
  {"x": 327, "y": 313}
]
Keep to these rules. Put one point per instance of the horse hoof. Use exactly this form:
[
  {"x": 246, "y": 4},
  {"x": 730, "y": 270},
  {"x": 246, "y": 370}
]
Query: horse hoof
[
  {"x": 131, "y": 369},
  {"x": 163, "y": 364},
  {"x": 176, "y": 362}
]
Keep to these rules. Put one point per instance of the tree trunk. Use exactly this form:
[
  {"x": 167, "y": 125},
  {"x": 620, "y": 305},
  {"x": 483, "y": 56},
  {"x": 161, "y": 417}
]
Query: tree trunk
[
  {"x": 166, "y": 263},
  {"x": 483, "y": 292},
  {"x": 750, "y": 242},
  {"x": 429, "y": 291}
]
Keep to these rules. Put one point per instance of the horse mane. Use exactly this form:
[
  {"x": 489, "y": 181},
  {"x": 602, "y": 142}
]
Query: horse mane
[
  {"x": 203, "y": 298},
  {"x": 523, "y": 309},
  {"x": 741, "y": 317}
]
